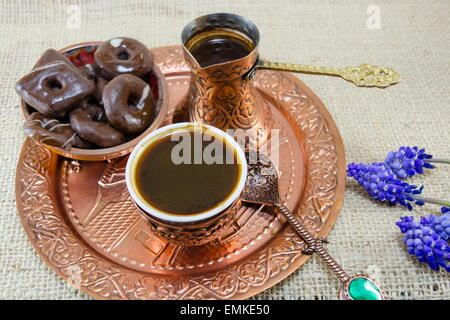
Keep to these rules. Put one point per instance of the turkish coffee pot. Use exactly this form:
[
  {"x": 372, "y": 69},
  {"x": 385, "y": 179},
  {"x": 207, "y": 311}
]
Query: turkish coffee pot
[{"x": 222, "y": 51}]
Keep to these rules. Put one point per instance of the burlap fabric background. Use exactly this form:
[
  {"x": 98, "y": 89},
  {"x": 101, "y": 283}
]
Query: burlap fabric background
[{"x": 413, "y": 39}]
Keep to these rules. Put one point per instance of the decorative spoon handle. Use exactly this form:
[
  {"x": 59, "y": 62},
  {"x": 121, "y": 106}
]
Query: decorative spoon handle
[
  {"x": 314, "y": 245},
  {"x": 359, "y": 287},
  {"x": 365, "y": 75}
]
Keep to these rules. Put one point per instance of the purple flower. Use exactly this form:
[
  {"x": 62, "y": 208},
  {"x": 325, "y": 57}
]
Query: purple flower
[
  {"x": 439, "y": 224},
  {"x": 381, "y": 184},
  {"x": 423, "y": 242},
  {"x": 408, "y": 161}
]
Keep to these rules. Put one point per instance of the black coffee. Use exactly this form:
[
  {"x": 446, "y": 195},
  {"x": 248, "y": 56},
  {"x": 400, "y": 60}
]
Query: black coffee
[
  {"x": 219, "y": 49},
  {"x": 186, "y": 188}
]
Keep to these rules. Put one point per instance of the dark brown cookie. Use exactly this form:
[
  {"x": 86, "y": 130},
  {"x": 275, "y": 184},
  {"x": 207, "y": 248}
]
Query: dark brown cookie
[
  {"x": 53, "y": 133},
  {"x": 100, "y": 85},
  {"x": 51, "y": 55},
  {"x": 123, "y": 56},
  {"x": 129, "y": 104},
  {"x": 87, "y": 123},
  {"x": 54, "y": 88}
]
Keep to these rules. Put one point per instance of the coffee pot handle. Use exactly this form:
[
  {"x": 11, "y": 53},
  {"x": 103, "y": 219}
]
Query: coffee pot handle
[{"x": 365, "y": 75}]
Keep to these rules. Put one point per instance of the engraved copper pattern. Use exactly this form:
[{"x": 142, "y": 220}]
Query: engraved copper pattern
[
  {"x": 221, "y": 96},
  {"x": 194, "y": 234},
  {"x": 64, "y": 214},
  {"x": 261, "y": 185}
]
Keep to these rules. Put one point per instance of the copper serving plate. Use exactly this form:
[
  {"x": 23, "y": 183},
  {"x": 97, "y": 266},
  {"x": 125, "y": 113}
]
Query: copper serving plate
[
  {"x": 79, "y": 216},
  {"x": 124, "y": 148}
]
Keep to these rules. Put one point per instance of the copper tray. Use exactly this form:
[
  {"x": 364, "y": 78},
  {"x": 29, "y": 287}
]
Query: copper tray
[{"x": 80, "y": 219}]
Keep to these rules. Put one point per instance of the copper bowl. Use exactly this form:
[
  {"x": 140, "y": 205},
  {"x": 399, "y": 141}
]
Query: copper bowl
[{"x": 101, "y": 154}]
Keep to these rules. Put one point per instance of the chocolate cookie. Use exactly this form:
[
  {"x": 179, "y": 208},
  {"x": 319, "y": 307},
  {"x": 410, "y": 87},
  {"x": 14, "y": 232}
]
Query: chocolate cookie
[
  {"x": 123, "y": 56},
  {"x": 129, "y": 104},
  {"x": 53, "y": 133},
  {"x": 87, "y": 124},
  {"x": 54, "y": 88}
]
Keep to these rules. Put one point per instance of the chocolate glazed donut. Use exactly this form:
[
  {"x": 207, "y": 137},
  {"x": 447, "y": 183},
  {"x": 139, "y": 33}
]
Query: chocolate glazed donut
[
  {"x": 53, "y": 133},
  {"x": 86, "y": 123},
  {"x": 129, "y": 104},
  {"x": 123, "y": 56}
]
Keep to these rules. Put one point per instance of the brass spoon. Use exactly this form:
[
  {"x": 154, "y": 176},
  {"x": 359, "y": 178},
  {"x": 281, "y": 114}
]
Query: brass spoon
[
  {"x": 365, "y": 75},
  {"x": 262, "y": 187}
]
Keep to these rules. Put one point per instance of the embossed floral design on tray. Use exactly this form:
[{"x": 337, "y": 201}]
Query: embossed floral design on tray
[{"x": 43, "y": 205}]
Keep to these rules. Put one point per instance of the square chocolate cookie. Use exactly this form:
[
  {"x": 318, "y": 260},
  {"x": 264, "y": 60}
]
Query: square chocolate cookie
[{"x": 54, "y": 88}]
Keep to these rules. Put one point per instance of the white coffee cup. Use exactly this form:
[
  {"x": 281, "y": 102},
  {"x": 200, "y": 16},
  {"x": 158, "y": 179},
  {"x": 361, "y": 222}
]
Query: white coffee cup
[{"x": 163, "y": 132}]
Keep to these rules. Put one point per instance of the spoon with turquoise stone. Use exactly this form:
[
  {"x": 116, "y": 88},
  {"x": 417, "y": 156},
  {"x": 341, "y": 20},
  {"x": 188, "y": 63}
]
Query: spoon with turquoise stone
[{"x": 262, "y": 187}]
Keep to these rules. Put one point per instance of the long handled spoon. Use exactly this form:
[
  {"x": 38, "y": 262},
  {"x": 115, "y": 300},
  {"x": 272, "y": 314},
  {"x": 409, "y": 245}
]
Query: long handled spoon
[
  {"x": 365, "y": 75},
  {"x": 262, "y": 187}
]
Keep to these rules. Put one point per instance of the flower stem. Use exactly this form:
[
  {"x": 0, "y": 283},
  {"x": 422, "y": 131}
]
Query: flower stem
[
  {"x": 438, "y": 160},
  {"x": 445, "y": 203}
]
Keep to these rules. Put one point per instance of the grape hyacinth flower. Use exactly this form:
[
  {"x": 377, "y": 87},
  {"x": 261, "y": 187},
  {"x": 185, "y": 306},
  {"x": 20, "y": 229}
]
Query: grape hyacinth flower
[
  {"x": 381, "y": 184},
  {"x": 409, "y": 161},
  {"x": 439, "y": 224},
  {"x": 423, "y": 242}
]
